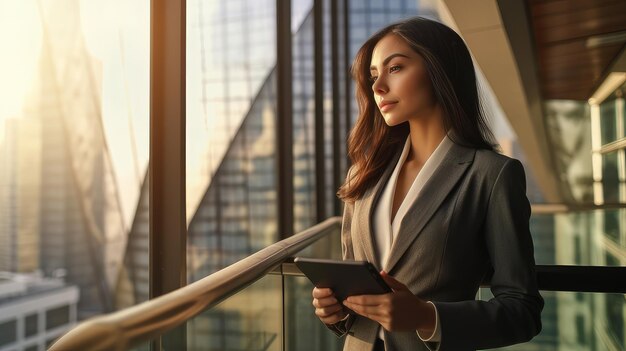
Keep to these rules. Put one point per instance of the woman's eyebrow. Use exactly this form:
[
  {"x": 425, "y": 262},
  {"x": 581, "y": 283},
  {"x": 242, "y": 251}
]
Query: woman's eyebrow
[{"x": 386, "y": 61}]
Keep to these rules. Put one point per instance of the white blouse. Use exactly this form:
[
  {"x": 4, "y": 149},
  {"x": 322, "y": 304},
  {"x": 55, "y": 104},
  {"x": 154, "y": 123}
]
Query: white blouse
[{"x": 386, "y": 230}]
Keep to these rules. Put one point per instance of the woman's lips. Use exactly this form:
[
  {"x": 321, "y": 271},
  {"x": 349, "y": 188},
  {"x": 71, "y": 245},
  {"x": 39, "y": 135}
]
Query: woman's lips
[{"x": 386, "y": 106}]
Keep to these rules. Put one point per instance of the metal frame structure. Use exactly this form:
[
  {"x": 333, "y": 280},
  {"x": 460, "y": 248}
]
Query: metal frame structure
[
  {"x": 320, "y": 156},
  {"x": 168, "y": 226},
  {"x": 284, "y": 121}
]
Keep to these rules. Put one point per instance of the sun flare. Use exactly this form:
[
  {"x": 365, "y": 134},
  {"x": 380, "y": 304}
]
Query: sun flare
[{"x": 20, "y": 42}]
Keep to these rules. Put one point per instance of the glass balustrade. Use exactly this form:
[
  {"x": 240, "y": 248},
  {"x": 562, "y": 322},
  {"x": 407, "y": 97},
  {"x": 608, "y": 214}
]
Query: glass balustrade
[
  {"x": 590, "y": 238},
  {"x": 577, "y": 321},
  {"x": 250, "y": 320}
]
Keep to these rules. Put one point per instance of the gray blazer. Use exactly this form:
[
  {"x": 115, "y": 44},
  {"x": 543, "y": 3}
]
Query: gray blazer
[{"x": 469, "y": 221}]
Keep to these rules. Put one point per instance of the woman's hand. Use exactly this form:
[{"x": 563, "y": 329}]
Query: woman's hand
[
  {"x": 399, "y": 310},
  {"x": 327, "y": 308}
]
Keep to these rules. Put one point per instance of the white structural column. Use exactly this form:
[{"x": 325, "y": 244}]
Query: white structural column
[{"x": 596, "y": 156}]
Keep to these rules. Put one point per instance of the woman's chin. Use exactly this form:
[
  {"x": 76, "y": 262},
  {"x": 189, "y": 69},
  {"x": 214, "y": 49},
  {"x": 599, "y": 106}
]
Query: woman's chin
[{"x": 392, "y": 122}]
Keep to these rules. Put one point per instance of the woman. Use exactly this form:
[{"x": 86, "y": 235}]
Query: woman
[{"x": 430, "y": 203}]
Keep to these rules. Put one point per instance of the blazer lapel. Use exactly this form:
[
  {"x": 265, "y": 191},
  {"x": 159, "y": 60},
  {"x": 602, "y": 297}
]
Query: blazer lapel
[
  {"x": 369, "y": 202},
  {"x": 436, "y": 189}
]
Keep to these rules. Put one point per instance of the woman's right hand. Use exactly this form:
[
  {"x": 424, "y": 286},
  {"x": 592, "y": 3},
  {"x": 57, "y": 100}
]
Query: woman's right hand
[{"x": 327, "y": 308}]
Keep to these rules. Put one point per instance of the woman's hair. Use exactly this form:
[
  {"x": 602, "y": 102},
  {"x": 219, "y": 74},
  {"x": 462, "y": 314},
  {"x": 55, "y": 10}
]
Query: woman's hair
[{"x": 449, "y": 66}]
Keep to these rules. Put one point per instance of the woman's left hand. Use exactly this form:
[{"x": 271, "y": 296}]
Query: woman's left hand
[{"x": 399, "y": 310}]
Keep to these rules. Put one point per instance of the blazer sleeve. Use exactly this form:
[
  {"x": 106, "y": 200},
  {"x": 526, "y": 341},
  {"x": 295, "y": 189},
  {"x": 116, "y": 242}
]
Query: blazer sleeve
[
  {"x": 514, "y": 314},
  {"x": 342, "y": 327}
]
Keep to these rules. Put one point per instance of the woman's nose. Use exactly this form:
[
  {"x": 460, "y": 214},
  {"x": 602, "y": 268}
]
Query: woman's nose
[{"x": 379, "y": 86}]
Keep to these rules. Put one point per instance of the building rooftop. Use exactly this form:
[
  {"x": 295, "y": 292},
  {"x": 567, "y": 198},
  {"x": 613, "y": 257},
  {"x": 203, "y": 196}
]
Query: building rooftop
[{"x": 14, "y": 286}]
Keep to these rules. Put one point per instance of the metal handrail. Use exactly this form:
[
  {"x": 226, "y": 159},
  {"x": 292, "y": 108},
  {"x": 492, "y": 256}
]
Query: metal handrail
[
  {"x": 123, "y": 329},
  {"x": 576, "y": 278}
]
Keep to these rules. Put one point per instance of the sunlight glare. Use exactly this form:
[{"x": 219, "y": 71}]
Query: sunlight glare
[{"x": 20, "y": 40}]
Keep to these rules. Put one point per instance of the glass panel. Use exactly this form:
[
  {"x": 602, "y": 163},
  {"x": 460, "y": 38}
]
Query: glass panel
[
  {"x": 304, "y": 331},
  {"x": 231, "y": 166},
  {"x": 577, "y": 321},
  {"x": 608, "y": 121},
  {"x": 74, "y": 122},
  {"x": 579, "y": 238},
  {"x": 248, "y": 320}
]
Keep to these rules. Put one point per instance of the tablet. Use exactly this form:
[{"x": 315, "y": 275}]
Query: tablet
[{"x": 345, "y": 278}]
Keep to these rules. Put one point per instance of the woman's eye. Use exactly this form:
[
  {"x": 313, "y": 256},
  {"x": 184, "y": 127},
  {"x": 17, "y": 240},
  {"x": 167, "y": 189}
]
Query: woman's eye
[
  {"x": 394, "y": 68},
  {"x": 373, "y": 79}
]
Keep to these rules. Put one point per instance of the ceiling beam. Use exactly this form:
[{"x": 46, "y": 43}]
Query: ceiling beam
[{"x": 504, "y": 54}]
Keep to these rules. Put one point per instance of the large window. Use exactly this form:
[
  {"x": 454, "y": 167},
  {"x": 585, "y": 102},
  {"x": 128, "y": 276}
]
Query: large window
[
  {"x": 8, "y": 332},
  {"x": 57, "y": 317},
  {"x": 609, "y": 137},
  {"x": 73, "y": 153}
]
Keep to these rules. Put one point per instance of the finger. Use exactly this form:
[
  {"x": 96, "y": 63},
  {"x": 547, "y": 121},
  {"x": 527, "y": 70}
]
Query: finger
[
  {"x": 371, "y": 312},
  {"x": 367, "y": 300},
  {"x": 328, "y": 311},
  {"x": 328, "y": 301},
  {"x": 392, "y": 282},
  {"x": 322, "y": 292},
  {"x": 334, "y": 318}
]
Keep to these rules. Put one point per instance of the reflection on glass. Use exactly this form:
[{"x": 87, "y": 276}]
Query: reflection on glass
[
  {"x": 568, "y": 126},
  {"x": 579, "y": 238},
  {"x": 577, "y": 321},
  {"x": 73, "y": 157},
  {"x": 231, "y": 52}
]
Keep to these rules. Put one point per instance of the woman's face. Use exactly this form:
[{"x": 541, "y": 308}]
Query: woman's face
[{"x": 401, "y": 85}]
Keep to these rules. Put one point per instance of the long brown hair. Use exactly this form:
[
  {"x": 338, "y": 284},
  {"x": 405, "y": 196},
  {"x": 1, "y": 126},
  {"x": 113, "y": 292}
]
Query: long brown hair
[{"x": 449, "y": 66}]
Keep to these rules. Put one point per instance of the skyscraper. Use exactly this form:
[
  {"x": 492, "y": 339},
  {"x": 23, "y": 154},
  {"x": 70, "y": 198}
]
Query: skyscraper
[{"x": 20, "y": 184}]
